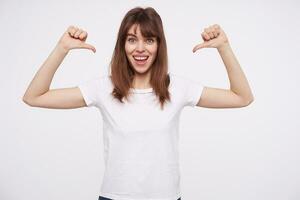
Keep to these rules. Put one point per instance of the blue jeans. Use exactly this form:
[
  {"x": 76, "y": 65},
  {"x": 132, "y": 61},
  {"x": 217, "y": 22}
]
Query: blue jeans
[{"x": 104, "y": 198}]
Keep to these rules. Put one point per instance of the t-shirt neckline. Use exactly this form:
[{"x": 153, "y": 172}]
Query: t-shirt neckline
[{"x": 139, "y": 90}]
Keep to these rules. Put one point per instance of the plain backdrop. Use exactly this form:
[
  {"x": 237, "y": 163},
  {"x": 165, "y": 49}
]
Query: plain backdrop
[{"x": 249, "y": 153}]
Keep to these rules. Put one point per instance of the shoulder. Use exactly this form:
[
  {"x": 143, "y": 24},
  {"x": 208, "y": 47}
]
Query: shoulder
[
  {"x": 102, "y": 79},
  {"x": 97, "y": 82},
  {"x": 178, "y": 80}
]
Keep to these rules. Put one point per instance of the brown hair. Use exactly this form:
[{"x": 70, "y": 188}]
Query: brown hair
[{"x": 122, "y": 74}]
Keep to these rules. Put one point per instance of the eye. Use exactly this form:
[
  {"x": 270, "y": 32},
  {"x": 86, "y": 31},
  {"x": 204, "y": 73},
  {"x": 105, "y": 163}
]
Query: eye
[
  {"x": 150, "y": 40},
  {"x": 131, "y": 40}
]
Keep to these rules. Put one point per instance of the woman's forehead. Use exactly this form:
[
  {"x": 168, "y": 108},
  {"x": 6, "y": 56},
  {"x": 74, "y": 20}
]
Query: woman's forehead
[{"x": 135, "y": 30}]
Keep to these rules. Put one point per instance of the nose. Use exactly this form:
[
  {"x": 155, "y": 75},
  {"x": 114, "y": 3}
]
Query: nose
[{"x": 140, "y": 47}]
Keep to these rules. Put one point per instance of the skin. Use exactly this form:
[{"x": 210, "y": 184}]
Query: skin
[
  {"x": 136, "y": 44},
  {"x": 38, "y": 93},
  {"x": 239, "y": 94}
]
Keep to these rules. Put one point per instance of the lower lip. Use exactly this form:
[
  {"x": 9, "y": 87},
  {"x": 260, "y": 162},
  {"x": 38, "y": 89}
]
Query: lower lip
[{"x": 141, "y": 62}]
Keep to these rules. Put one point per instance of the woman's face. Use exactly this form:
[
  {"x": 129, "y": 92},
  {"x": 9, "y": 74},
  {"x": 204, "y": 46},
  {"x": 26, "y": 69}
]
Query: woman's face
[{"x": 141, "y": 52}]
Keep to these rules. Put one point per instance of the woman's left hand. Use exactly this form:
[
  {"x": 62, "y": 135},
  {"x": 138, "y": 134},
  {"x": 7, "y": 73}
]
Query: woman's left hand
[{"x": 214, "y": 37}]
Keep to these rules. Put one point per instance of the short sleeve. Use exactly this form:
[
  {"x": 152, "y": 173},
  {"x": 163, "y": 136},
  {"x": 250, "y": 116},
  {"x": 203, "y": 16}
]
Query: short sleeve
[
  {"x": 193, "y": 92},
  {"x": 190, "y": 90},
  {"x": 90, "y": 91}
]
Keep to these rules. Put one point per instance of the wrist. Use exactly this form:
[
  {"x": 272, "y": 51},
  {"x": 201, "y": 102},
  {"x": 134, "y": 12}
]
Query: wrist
[
  {"x": 224, "y": 47},
  {"x": 61, "y": 48}
]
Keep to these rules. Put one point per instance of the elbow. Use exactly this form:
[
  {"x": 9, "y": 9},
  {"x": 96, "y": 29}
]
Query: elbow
[
  {"x": 249, "y": 101},
  {"x": 27, "y": 101}
]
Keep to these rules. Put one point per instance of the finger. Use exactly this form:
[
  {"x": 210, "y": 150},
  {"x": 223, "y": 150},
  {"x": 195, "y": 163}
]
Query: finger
[
  {"x": 78, "y": 32},
  {"x": 209, "y": 32},
  {"x": 88, "y": 46},
  {"x": 202, "y": 45},
  {"x": 205, "y": 36},
  {"x": 83, "y": 35},
  {"x": 215, "y": 32},
  {"x": 216, "y": 26},
  {"x": 72, "y": 30},
  {"x": 199, "y": 46}
]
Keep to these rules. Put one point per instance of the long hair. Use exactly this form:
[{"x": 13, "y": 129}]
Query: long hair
[{"x": 122, "y": 74}]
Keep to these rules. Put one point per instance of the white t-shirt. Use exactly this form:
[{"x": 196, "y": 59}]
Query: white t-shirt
[{"x": 141, "y": 140}]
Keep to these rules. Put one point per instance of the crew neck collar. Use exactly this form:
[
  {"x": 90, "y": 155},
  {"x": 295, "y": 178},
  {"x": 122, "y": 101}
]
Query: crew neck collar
[{"x": 144, "y": 90}]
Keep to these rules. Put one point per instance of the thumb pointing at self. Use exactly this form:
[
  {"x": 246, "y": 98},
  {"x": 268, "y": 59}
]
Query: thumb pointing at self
[
  {"x": 202, "y": 45},
  {"x": 88, "y": 46},
  {"x": 214, "y": 37},
  {"x": 75, "y": 38}
]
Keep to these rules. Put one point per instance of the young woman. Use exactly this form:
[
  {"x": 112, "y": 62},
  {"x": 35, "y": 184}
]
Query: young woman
[{"x": 140, "y": 102}]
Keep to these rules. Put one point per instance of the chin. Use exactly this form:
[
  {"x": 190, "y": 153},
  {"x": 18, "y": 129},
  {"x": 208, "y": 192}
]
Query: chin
[{"x": 141, "y": 69}]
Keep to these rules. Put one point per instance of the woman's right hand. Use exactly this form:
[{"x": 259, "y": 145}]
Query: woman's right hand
[{"x": 74, "y": 38}]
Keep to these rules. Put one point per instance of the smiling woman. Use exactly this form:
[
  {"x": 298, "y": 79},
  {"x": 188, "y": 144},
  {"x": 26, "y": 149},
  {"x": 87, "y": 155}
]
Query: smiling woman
[
  {"x": 140, "y": 55},
  {"x": 140, "y": 132},
  {"x": 141, "y": 52},
  {"x": 138, "y": 42}
]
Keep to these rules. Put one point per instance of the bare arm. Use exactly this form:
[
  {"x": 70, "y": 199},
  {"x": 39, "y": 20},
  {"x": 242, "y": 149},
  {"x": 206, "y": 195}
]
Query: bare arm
[
  {"x": 38, "y": 93},
  {"x": 239, "y": 94},
  {"x": 238, "y": 81},
  {"x": 40, "y": 84}
]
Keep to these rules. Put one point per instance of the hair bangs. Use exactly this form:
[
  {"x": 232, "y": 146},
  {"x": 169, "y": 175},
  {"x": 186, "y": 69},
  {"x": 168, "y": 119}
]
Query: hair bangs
[{"x": 147, "y": 26}]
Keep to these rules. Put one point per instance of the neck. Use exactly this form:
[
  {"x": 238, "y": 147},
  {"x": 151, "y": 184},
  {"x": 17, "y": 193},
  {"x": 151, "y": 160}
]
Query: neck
[{"x": 141, "y": 81}]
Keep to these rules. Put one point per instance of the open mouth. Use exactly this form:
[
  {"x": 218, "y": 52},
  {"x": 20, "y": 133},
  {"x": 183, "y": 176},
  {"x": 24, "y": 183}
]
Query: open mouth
[{"x": 140, "y": 59}]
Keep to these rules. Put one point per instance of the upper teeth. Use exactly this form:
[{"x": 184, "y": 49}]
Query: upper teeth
[{"x": 140, "y": 58}]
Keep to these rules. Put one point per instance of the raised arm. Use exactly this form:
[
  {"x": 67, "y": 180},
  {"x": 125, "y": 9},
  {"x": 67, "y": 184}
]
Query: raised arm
[
  {"x": 239, "y": 94},
  {"x": 38, "y": 93}
]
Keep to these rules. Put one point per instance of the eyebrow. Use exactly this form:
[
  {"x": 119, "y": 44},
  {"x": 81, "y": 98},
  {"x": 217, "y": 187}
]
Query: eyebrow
[{"x": 130, "y": 34}]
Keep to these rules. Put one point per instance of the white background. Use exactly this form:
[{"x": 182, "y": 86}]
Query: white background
[{"x": 249, "y": 153}]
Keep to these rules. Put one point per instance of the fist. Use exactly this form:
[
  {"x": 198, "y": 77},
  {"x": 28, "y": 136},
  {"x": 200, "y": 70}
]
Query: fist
[
  {"x": 74, "y": 38},
  {"x": 214, "y": 37}
]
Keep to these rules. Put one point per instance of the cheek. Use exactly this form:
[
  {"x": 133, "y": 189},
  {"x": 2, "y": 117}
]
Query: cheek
[
  {"x": 153, "y": 50},
  {"x": 129, "y": 49}
]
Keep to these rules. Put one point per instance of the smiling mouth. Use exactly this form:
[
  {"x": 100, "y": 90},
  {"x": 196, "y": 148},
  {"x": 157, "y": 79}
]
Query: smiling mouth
[{"x": 140, "y": 58}]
